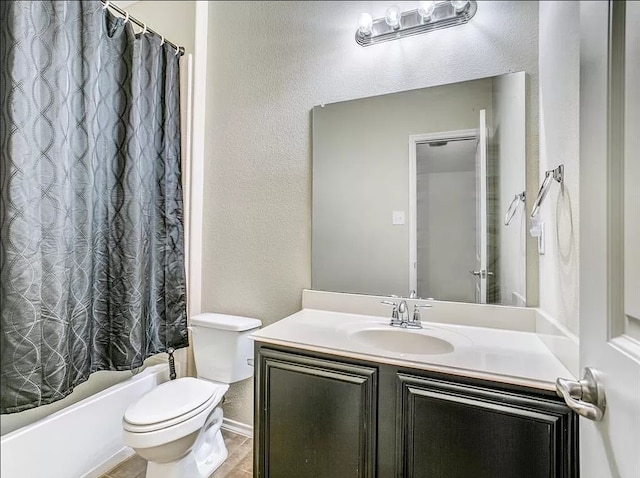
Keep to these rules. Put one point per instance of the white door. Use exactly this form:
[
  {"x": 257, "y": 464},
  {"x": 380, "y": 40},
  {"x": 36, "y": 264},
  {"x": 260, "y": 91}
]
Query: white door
[
  {"x": 610, "y": 233},
  {"x": 480, "y": 270}
]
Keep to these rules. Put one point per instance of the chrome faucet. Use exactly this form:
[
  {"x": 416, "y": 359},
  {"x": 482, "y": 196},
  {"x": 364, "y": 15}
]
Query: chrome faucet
[{"x": 400, "y": 314}]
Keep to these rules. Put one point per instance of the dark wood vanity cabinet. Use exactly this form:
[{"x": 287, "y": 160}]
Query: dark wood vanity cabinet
[
  {"x": 447, "y": 429},
  {"x": 318, "y": 416}
]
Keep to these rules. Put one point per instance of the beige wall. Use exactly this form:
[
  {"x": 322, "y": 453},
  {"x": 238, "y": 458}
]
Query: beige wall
[
  {"x": 269, "y": 64},
  {"x": 173, "y": 19},
  {"x": 559, "y": 144}
]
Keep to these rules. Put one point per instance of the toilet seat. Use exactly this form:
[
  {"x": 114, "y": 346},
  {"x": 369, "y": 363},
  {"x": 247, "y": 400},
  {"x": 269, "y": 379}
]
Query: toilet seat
[
  {"x": 172, "y": 403},
  {"x": 170, "y": 411}
]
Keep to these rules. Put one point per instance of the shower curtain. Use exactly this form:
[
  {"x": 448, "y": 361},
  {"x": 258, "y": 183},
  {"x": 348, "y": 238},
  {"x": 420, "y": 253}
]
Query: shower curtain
[{"x": 91, "y": 235}]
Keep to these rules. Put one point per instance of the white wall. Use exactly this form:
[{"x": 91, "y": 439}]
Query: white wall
[
  {"x": 559, "y": 144},
  {"x": 360, "y": 176},
  {"x": 509, "y": 137},
  {"x": 270, "y": 63}
]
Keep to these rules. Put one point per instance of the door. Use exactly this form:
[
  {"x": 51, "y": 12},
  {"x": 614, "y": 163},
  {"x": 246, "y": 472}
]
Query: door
[
  {"x": 610, "y": 232},
  {"x": 480, "y": 270}
]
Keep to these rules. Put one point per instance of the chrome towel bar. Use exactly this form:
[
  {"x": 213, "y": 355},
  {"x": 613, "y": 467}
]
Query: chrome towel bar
[
  {"x": 513, "y": 207},
  {"x": 558, "y": 175}
]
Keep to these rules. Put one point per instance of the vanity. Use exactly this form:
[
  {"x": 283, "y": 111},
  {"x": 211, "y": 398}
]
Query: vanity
[
  {"x": 428, "y": 201},
  {"x": 341, "y": 394}
]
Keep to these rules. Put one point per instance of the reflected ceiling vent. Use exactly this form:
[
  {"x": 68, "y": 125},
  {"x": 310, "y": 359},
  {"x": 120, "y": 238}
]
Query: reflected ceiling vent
[{"x": 429, "y": 16}]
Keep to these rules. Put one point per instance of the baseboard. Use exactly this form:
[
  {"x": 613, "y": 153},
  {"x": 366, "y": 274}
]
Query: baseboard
[
  {"x": 115, "y": 460},
  {"x": 237, "y": 427},
  {"x": 126, "y": 452}
]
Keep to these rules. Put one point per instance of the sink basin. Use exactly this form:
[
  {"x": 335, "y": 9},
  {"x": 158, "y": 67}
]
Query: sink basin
[{"x": 402, "y": 341}]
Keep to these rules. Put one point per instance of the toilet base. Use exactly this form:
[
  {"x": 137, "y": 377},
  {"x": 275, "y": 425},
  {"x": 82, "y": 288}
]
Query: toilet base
[{"x": 206, "y": 456}]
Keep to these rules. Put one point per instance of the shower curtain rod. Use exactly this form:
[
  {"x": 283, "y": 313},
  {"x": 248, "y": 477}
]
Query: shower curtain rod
[{"x": 146, "y": 29}]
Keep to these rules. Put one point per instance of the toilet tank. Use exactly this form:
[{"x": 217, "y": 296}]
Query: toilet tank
[{"x": 221, "y": 346}]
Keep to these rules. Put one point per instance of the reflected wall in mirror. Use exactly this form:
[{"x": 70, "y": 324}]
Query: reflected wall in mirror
[{"x": 411, "y": 191}]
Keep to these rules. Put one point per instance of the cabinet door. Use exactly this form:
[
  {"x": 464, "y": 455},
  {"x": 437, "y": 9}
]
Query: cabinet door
[
  {"x": 448, "y": 430},
  {"x": 316, "y": 418}
]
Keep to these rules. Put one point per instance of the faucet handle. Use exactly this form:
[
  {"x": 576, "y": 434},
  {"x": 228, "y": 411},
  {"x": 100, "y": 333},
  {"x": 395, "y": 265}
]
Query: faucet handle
[
  {"x": 394, "y": 312},
  {"x": 422, "y": 306},
  {"x": 416, "y": 312}
]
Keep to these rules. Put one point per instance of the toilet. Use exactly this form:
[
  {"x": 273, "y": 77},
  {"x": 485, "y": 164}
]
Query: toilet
[{"x": 176, "y": 426}]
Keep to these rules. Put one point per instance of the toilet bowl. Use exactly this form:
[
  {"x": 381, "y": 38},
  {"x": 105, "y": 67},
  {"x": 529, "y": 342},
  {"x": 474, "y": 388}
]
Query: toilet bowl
[{"x": 176, "y": 426}]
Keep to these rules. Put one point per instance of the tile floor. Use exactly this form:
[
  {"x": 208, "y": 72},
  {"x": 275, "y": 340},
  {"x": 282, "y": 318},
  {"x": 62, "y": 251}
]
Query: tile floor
[{"x": 239, "y": 463}]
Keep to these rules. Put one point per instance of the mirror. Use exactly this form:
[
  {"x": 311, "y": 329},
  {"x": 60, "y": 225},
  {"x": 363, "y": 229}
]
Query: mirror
[{"x": 423, "y": 190}]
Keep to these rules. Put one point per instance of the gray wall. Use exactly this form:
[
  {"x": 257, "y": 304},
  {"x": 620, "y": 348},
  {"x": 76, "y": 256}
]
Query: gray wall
[{"x": 269, "y": 64}]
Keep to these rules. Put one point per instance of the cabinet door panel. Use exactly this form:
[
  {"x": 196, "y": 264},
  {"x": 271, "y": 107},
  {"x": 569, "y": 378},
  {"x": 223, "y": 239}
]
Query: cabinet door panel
[
  {"x": 318, "y": 418},
  {"x": 447, "y": 431}
]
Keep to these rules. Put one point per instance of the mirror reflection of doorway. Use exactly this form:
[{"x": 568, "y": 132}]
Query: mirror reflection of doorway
[
  {"x": 446, "y": 219},
  {"x": 452, "y": 207}
]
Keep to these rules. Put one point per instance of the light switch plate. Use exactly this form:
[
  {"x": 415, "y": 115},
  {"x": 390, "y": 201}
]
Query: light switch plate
[{"x": 397, "y": 218}]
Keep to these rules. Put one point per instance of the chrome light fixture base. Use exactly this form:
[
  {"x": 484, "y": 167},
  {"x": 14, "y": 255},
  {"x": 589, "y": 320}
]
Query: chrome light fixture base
[{"x": 412, "y": 23}]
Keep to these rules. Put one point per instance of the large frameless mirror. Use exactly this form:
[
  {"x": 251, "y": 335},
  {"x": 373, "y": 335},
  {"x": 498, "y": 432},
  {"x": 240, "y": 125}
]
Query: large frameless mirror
[{"x": 423, "y": 191}]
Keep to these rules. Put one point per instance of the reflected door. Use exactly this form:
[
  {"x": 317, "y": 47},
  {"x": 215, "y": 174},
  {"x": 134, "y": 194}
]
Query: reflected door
[
  {"x": 480, "y": 271},
  {"x": 443, "y": 215}
]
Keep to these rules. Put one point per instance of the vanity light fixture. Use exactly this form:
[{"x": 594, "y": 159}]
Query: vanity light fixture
[
  {"x": 430, "y": 15},
  {"x": 365, "y": 22},
  {"x": 393, "y": 17}
]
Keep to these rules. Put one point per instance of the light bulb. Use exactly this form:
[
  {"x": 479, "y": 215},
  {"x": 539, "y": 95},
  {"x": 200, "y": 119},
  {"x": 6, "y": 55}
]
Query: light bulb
[
  {"x": 459, "y": 5},
  {"x": 393, "y": 17},
  {"x": 365, "y": 23},
  {"x": 425, "y": 9}
]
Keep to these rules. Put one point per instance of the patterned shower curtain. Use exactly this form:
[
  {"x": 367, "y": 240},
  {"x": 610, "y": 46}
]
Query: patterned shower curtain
[{"x": 91, "y": 236}]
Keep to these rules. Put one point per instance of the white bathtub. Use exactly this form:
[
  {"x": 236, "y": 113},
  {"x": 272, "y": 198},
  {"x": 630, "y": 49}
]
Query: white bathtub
[{"x": 83, "y": 440}]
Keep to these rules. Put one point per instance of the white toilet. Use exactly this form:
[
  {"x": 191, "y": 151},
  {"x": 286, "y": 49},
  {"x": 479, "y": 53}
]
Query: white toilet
[{"x": 176, "y": 426}]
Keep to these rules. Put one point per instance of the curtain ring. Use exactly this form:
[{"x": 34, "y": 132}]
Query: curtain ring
[
  {"x": 106, "y": 5},
  {"x": 162, "y": 42},
  {"x": 126, "y": 18},
  {"x": 144, "y": 30},
  {"x": 177, "y": 50}
]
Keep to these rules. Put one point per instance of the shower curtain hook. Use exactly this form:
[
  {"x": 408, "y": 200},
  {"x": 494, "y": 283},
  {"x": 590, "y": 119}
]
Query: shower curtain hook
[
  {"x": 177, "y": 50},
  {"x": 144, "y": 30},
  {"x": 126, "y": 18},
  {"x": 162, "y": 42},
  {"x": 106, "y": 5}
]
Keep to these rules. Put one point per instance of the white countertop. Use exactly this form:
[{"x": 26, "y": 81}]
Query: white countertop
[{"x": 498, "y": 355}]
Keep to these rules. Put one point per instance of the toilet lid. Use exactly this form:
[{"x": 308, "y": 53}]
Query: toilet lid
[{"x": 173, "y": 399}]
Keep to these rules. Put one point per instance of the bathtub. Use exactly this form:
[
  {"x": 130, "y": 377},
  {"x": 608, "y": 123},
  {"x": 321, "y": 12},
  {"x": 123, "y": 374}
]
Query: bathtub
[{"x": 83, "y": 440}]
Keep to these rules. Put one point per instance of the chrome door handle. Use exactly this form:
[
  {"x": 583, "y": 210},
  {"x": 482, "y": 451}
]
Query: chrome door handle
[
  {"x": 482, "y": 274},
  {"x": 585, "y": 397}
]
